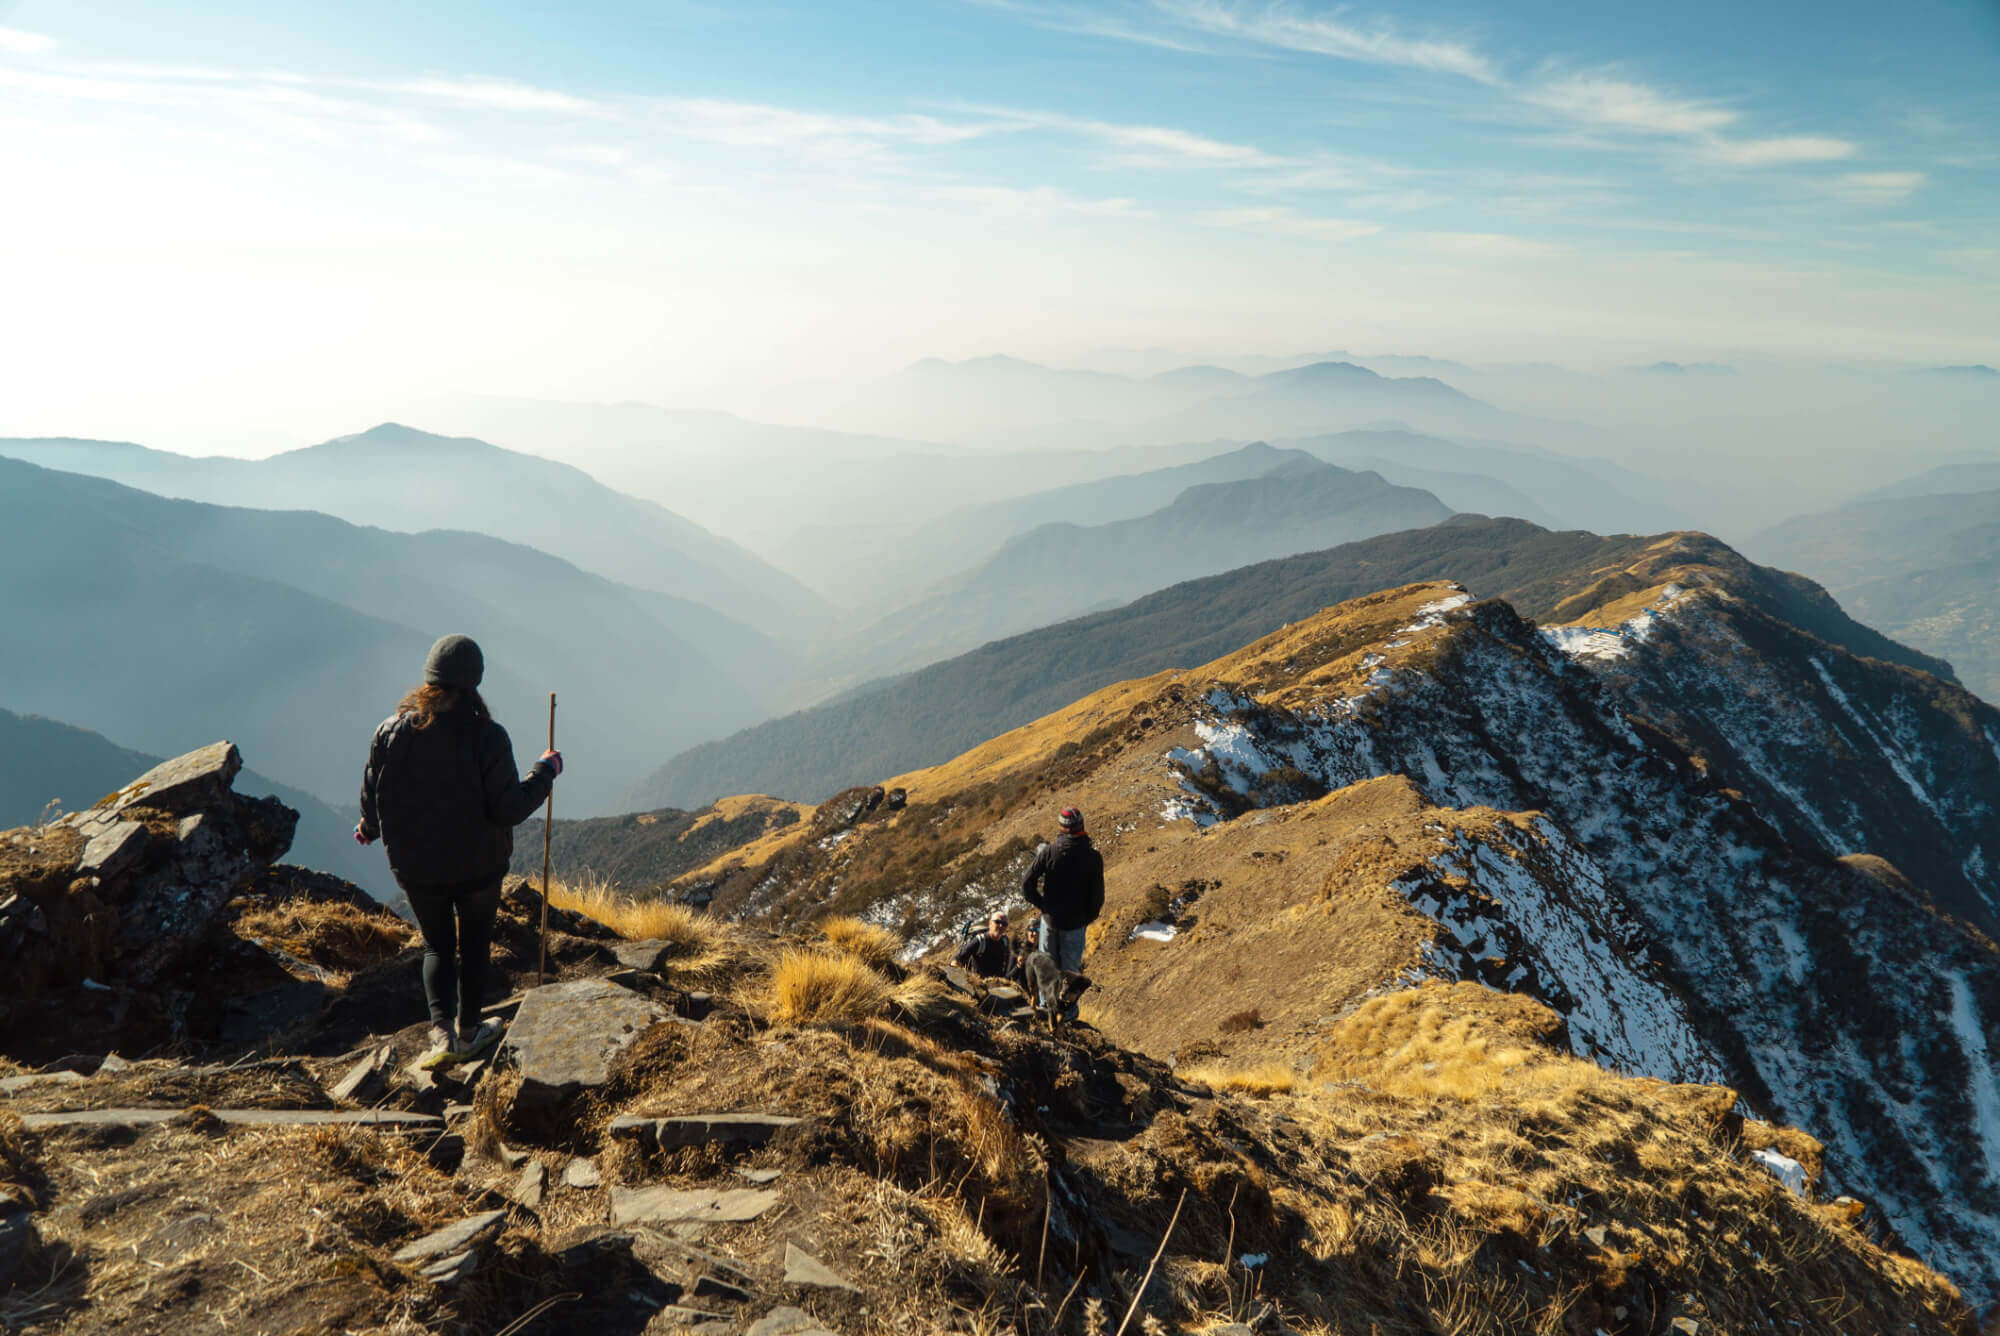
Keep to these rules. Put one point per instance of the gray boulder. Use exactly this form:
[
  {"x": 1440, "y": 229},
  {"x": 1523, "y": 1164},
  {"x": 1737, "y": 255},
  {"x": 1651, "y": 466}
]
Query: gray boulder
[{"x": 566, "y": 1037}]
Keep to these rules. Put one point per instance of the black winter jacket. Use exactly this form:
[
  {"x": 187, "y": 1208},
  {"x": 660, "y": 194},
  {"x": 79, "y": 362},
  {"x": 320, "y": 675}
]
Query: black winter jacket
[
  {"x": 445, "y": 799},
  {"x": 1070, "y": 877},
  {"x": 988, "y": 956}
]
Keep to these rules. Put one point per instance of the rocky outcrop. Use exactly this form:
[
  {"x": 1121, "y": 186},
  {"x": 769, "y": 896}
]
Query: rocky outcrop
[{"x": 103, "y": 912}]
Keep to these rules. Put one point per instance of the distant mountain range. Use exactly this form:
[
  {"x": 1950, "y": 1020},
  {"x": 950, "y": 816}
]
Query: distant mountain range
[
  {"x": 42, "y": 760},
  {"x": 1923, "y": 566},
  {"x": 1296, "y": 503},
  {"x": 395, "y": 477},
  {"x": 293, "y": 634},
  {"x": 1004, "y": 400},
  {"x": 922, "y": 717},
  {"x": 1975, "y": 475}
]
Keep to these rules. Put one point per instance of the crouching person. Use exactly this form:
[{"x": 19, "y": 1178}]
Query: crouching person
[
  {"x": 441, "y": 792},
  {"x": 989, "y": 954},
  {"x": 1066, "y": 882}
]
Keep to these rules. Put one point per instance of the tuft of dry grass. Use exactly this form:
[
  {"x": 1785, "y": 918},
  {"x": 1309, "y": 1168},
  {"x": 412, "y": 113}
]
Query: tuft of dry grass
[
  {"x": 692, "y": 933},
  {"x": 873, "y": 945},
  {"x": 339, "y": 938},
  {"x": 817, "y": 987},
  {"x": 1261, "y": 1081},
  {"x": 18, "y": 1172},
  {"x": 1457, "y": 1041}
]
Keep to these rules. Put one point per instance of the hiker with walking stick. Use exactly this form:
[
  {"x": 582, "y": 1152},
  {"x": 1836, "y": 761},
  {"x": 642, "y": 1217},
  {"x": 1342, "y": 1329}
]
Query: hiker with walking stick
[{"x": 441, "y": 792}]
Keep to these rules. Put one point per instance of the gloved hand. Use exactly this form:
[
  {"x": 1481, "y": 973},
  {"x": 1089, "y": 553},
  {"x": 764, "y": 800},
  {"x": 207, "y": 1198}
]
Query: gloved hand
[
  {"x": 554, "y": 759},
  {"x": 360, "y": 838}
]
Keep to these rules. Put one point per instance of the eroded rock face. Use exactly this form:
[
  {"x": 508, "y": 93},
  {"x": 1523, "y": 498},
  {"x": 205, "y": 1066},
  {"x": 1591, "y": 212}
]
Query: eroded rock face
[{"x": 111, "y": 909}]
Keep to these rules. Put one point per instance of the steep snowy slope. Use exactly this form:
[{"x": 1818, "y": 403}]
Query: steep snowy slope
[
  {"x": 1841, "y": 1000},
  {"x": 1416, "y": 785}
]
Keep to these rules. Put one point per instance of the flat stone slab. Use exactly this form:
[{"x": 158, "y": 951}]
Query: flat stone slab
[
  {"x": 528, "y": 1188},
  {"x": 182, "y": 785},
  {"x": 36, "y": 1122},
  {"x": 452, "y": 1239},
  {"x": 451, "y": 1270},
  {"x": 566, "y": 1035},
  {"x": 663, "y": 1205},
  {"x": 760, "y": 1176},
  {"x": 647, "y": 956},
  {"x": 364, "y": 1080},
  {"x": 788, "y": 1322},
  {"x": 14, "y": 1085},
  {"x": 695, "y": 1320},
  {"x": 802, "y": 1268},
  {"x": 112, "y": 850},
  {"x": 703, "y": 1129}
]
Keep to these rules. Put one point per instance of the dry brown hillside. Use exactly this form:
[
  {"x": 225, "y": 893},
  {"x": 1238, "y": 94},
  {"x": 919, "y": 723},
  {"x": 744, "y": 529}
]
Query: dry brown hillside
[{"x": 1417, "y": 786}]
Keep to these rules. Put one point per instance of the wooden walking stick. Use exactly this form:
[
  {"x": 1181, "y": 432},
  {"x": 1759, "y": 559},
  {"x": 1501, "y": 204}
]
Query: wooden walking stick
[{"x": 548, "y": 820}]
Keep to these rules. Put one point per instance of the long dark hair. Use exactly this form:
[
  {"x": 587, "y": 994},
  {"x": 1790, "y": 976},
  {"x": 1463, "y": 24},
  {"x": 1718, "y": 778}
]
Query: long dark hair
[{"x": 428, "y": 701}]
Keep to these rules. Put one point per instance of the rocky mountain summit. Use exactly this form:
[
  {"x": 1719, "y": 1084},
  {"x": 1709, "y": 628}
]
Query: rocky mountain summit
[{"x": 720, "y": 1129}]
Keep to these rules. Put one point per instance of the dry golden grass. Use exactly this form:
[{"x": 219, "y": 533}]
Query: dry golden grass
[
  {"x": 337, "y": 937},
  {"x": 1457, "y": 1041},
  {"x": 867, "y": 942},
  {"x": 816, "y": 987},
  {"x": 17, "y": 1166},
  {"x": 1263, "y": 1080},
  {"x": 692, "y": 933}
]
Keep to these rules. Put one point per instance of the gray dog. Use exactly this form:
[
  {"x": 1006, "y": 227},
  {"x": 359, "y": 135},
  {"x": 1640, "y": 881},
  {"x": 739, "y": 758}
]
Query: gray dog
[{"x": 1052, "y": 989}]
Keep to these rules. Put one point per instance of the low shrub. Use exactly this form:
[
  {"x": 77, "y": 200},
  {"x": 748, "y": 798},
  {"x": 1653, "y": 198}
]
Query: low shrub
[{"x": 866, "y": 942}]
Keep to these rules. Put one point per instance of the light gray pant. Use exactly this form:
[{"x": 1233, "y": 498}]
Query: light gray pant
[{"x": 1066, "y": 947}]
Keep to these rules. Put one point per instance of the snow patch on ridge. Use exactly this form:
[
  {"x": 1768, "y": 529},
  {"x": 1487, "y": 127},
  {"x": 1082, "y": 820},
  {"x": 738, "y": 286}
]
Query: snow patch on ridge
[{"x": 1983, "y": 1081}]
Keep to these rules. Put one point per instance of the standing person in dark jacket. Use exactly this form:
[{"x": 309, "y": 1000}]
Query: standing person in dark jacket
[
  {"x": 1066, "y": 882},
  {"x": 990, "y": 955},
  {"x": 441, "y": 792}
]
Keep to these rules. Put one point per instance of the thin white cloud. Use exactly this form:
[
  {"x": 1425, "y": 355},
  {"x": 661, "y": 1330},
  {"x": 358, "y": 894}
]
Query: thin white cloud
[
  {"x": 834, "y": 138},
  {"x": 1156, "y": 146},
  {"x": 1288, "y": 222},
  {"x": 1033, "y": 202},
  {"x": 1873, "y": 187},
  {"x": 1083, "y": 23},
  {"x": 1778, "y": 152},
  {"x": 498, "y": 95},
  {"x": 1605, "y": 102},
  {"x": 17, "y": 42},
  {"x": 1621, "y": 104},
  {"x": 1491, "y": 245},
  {"x": 1291, "y": 28}
]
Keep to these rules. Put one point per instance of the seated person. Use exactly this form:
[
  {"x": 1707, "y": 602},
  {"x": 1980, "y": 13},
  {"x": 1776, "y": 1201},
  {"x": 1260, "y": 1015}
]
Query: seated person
[{"x": 990, "y": 954}]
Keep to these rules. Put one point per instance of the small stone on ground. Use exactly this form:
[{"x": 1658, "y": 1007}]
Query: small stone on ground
[
  {"x": 582, "y": 1173},
  {"x": 802, "y": 1268},
  {"x": 664, "y": 1205},
  {"x": 452, "y": 1238},
  {"x": 647, "y": 956},
  {"x": 528, "y": 1188},
  {"x": 788, "y": 1322}
]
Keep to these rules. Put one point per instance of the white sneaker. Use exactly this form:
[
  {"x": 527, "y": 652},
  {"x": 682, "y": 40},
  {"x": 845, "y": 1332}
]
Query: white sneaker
[
  {"x": 440, "y": 1053},
  {"x": 472, "y": 1045}
]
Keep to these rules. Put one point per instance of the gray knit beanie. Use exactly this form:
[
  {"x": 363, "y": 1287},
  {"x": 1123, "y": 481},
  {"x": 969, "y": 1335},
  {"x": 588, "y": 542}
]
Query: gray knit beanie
[{"x": 455, "y": 661}]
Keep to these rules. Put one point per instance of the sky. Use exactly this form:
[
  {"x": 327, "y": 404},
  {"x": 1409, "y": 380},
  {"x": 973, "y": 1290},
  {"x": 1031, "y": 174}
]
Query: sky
[{"x": 262, "y": 221}]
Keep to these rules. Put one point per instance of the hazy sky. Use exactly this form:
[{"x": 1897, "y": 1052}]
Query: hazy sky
[{"x": 245, "y": 218}]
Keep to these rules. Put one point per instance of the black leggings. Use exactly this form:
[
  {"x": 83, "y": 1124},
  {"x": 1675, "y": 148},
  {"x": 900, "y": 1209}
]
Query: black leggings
[{"x": 457, "y": 923}]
